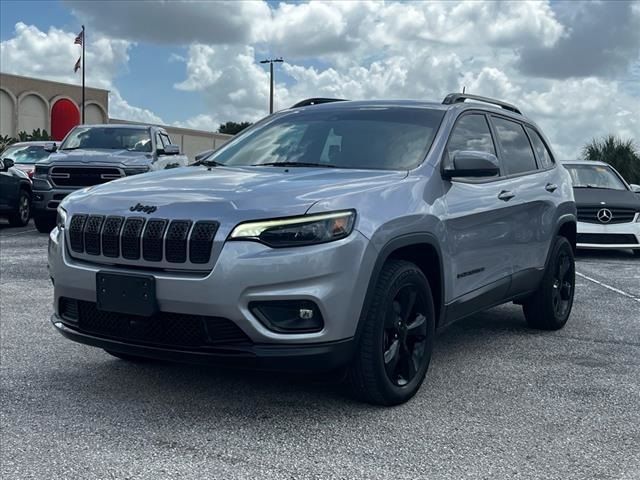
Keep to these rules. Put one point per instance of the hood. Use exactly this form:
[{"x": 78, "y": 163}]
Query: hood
[
  {"x": 99, "y": 156},
  {"x": 612, "y": 198},
  {"x": 222, "y": 193}
]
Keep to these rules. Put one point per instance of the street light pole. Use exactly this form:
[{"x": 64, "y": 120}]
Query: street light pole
[{"x": 271, "y": 61}]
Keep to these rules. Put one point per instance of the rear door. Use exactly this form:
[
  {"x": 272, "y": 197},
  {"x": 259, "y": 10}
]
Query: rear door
[
  {"x": 479, "y": 225},
  {"x": 9, "y": 190},
  {"x": 533, "y": 205}
]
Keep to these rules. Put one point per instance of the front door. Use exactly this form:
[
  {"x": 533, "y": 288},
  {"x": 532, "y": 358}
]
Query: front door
[{"x": 479, "y": 221}]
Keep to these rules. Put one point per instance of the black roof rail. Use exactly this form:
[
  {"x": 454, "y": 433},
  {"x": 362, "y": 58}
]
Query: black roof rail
[
  {"x": 316, "y": 101},
  {"x": 461, "y": 97}
]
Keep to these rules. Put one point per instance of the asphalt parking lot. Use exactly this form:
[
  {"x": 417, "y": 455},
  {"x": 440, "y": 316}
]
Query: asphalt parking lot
[{"x": 500, "y": 400}]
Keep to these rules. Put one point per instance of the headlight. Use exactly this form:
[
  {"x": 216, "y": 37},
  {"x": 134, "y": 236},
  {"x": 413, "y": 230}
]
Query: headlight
[
  {"x": 135, "y": 170},
  {"x": 298, "y": 231},
  {"x": 61, "y": 218},
  {"x": 41, "y": 172}
]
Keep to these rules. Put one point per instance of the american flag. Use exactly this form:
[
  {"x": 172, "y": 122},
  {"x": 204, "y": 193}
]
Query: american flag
[{"x": 79, "y": 39}]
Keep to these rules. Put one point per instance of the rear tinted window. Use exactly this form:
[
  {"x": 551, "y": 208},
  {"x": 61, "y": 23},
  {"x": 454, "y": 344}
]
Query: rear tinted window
[
  {"x": 545, "y": 160},
  {"x": 391, "y": 138},
  {"x": 516, "y": 149}
]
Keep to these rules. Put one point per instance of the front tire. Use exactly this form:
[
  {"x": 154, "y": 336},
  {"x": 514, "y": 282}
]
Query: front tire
[
  {"x": 550, "y": 306},
  {"x": 44, "y": 222},
  {"x": 396, "y": 341},
  {"x": 21, "y": 216}
]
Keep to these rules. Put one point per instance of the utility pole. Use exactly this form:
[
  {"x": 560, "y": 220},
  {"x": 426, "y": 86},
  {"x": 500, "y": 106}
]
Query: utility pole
[{"x": 271, "y": 61}]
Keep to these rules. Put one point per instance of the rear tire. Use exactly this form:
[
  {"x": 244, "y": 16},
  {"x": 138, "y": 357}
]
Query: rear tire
[
  {"x": 396, "y": 341},
  {"x": 550, "y": 306},
  {"x": 128, "y": 358},
  {"x": 21, "y": 216},
  {"x": 44, "y": 222}
]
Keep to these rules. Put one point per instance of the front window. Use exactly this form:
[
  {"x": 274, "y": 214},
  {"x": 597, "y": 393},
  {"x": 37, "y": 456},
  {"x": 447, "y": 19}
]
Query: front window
[
  {"x": 25, "y": 154},
  {"x": 595, "y": 176},
  {"x": 132, "y": 139},
  {"x": 388, "y": 138}
]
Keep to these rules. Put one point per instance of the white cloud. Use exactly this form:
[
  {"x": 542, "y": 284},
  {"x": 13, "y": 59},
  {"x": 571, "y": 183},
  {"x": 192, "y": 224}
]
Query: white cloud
[{"x": 119, "y": 108}]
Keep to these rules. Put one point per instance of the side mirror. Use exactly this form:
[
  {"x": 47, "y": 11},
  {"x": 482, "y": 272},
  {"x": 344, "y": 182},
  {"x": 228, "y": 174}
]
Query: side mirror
[
  {"x": 7, "y": 163},
  {"x": 467, "y": 163},
  {"x": 50, "y": 147},
  {"x": 170, "y": 149},
  {"x": 635, "y": 188}
]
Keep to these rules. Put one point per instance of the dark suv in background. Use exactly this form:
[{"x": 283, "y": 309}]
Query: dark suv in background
[{"x": 327, "y": 236}]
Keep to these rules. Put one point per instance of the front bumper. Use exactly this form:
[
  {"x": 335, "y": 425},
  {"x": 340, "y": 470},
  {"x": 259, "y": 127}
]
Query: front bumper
[
  {"x": 334, "y": 276},
  {"x": 593, "y": 235},
  {"x": 47, "y": 201},
  {"x": 291, "y": 358}
]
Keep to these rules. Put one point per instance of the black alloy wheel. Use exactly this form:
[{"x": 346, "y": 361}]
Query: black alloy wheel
[{"x": 405, "y": 335}]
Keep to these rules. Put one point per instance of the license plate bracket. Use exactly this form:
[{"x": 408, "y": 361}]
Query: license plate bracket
[{"x": 127, "y": 294}]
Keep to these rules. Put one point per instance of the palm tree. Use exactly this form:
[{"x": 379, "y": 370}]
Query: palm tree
[{"x": 619, "y": 153}]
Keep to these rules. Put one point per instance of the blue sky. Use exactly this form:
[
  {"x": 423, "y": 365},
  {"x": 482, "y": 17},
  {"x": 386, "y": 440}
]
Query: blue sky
[{"x": 574, "y": 67}]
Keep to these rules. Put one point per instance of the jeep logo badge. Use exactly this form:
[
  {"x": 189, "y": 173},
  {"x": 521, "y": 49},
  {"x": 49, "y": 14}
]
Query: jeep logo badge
[{"x": 143, "y": 208}]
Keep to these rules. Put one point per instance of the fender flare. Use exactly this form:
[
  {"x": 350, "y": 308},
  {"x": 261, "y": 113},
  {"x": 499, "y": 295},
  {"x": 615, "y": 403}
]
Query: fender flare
[{"x": 384, "y": 254}]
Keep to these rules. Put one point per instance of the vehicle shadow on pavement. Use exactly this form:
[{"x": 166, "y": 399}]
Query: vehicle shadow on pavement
[
  {"x": 625, "y": 255},
  {"x": 197, "y": 391}
]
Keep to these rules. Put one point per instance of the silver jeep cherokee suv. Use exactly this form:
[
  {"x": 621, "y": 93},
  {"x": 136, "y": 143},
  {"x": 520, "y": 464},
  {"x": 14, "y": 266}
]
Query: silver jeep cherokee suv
[{"x": 332, "y": 234}]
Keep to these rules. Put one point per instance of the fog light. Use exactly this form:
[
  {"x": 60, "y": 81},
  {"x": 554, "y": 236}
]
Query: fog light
[{"x": 288, "y": 316}]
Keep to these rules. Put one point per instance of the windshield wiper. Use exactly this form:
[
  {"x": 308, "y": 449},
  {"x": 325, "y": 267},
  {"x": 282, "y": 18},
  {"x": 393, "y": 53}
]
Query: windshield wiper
[
  {"x": 207, "y": 163},
  {"x": 294, "y": 164},
  {"x": 70, "y": 148},
  {"x": 594, "y": 186}
]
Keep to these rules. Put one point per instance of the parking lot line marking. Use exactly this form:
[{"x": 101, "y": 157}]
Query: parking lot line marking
[
  {"x": 613, "y": 289},
  {"x": 18, "y": 233}
]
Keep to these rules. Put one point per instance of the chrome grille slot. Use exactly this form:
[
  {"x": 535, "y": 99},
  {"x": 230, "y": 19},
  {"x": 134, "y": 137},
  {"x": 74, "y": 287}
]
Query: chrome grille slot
[
  {"x": 76, "y": 233},
  {"x": 131, "y": 238},
  {"x": 176, "y": 242},
  {"x": 152, "y": 240},
  {"x": 111, "y": 237},
  {"x": 201, "y": 241},
  {"x": 92, "y": 234}
]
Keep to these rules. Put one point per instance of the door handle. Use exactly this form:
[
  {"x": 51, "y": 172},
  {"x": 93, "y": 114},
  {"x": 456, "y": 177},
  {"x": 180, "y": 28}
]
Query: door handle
[
  {"x": 551, "y": 187},
  {"x": 506, "y": 195}
]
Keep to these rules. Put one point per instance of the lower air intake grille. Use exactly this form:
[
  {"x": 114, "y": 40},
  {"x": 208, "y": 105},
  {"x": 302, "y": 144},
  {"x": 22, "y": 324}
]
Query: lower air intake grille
[
  {"x": 201, "y": 241},
  {"x": 163, "y": 329},
  {"x": 607, "y": 238}
]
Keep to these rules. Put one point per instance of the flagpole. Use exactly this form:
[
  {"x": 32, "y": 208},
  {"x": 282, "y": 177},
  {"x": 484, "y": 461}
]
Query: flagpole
[{"x": 84, "y": 40}]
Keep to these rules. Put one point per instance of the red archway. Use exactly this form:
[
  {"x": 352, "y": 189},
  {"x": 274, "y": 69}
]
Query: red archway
[{"x": 64, "y": 116}]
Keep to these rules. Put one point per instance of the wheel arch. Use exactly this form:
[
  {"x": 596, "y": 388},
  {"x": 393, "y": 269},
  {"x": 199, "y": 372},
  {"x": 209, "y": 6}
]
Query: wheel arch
[{"x": 424, "y": 251}]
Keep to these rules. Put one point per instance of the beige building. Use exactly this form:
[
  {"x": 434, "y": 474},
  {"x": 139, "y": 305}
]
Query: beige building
[{"x": 27, "y": 104}]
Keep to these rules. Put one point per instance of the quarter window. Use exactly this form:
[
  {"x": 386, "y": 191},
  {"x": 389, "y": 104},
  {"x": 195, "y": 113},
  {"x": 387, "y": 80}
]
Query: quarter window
[
  {"x": 470, "y": 133},
  {"x": 516, "y": 149},
  {"x": 545, "y": 160}
]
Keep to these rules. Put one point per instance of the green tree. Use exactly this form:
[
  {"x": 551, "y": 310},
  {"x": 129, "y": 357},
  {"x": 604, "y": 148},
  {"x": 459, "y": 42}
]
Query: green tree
[
  {"x": 232, "y": 128},
  {"x": 622, "y": 154},
  {"x": 35, "y": 135}
]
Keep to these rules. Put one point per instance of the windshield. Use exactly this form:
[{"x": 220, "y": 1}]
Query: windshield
[
  {"x": 133, "y": 139},
  {"x": 594, "y": 176},
  {"x": 25, "y": 153},
  {"x": 389, "y": 138}
]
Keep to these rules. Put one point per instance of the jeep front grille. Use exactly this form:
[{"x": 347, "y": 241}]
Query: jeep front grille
[
  {"x": 153, "y": 240},
  {"x": 83, "y": 176}
]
